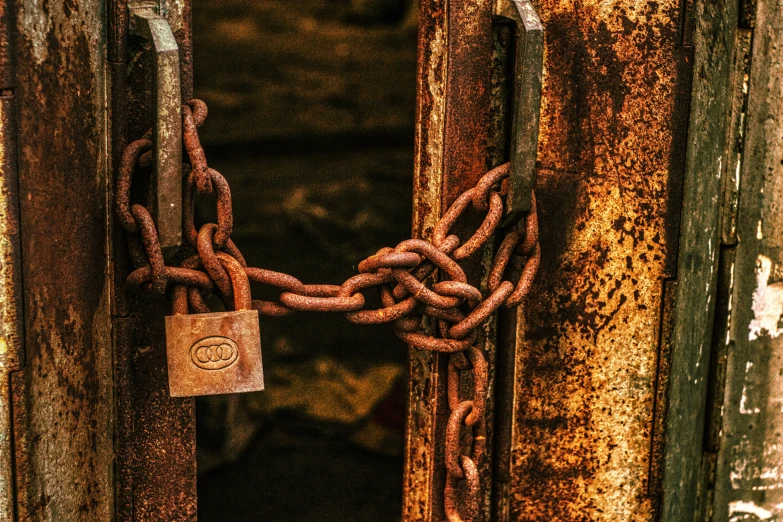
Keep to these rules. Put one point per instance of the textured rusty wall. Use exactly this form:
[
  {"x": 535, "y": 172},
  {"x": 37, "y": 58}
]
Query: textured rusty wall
[
  {"x": 63, "y": 394},
  {"x": 610, "y": 165}
]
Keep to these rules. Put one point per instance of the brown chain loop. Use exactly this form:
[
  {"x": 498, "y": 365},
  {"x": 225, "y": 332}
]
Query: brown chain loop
[
  {"x": 122, "y": 203},
  {"x": 149, "y": 239},
  {"x": 473, "y": 486},
  {"x": 319, "y": 299},
  {"x": 403, "y": 276},
  {"x": 198, "y": 159}
]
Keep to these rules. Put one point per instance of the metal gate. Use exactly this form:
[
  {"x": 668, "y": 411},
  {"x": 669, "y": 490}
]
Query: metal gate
[{"x": 637, "y": 381}]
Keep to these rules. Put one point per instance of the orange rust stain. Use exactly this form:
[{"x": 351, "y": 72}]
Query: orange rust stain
[{"x": 586, "y": 375}]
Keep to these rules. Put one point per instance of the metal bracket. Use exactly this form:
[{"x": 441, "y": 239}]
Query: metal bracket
[
  {"x": 528, "y": 72},
  {"x": 167, "y": 127}
]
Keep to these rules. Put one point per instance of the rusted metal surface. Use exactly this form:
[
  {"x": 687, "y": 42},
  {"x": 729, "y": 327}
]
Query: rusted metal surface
[
  {"x": 7, "y": 57},
  {"x": 466, "y": 115},
  {"x": 426, "y": 378},
  {"x": 611, "y": 157},
  {"x": 747, "y": 481},
  {"x": 454, "y": 60},
  {"x": 117, "y": 30},
  {"x": 11, "y": 319},
  {"x": 63, "y": 422},
  {"x": 159, "y": 450}
]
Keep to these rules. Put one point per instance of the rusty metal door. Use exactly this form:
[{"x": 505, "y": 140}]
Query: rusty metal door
[
  {"x": 57, "y": 429},
  {"x": 576, "y": 425},
  {"x": 612, "y": 384}
]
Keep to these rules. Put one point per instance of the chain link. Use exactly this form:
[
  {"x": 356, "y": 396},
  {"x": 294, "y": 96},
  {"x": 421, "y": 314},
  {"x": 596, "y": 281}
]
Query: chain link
[{"x": 404, "y": 277}]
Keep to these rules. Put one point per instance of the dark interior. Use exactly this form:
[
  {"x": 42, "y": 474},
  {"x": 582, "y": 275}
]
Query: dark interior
[{"x": 311, "y": 121}]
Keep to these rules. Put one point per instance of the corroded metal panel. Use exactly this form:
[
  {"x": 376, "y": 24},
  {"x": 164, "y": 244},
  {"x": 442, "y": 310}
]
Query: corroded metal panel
[
  {"x": 424, "y": 377},
  {"x": 7, "y": 23},
  {"x": 748, "y": 481},
  {"x": 63, "y": 422},
  {"x": 611, "y": 160}
]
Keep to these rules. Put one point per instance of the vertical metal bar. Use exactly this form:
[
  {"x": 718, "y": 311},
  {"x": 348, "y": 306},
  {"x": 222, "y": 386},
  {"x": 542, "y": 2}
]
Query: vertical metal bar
[
  {"x": 11, "y": 306},
  {"x": 528, "y": 73},
  {"x": 516, "y": 100},
  {"x": 166, "y": 128},
  {"x": 11, "y": 320},
  {"x": 156, "y": 441},
  {"x": 426, "y": 385},
  {"x": 455, "y": 45},
  {"x": 504, "y": 413}
]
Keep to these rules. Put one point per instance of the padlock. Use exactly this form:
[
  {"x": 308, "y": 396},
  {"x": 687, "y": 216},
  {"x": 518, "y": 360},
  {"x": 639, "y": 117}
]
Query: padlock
[{"x": 214, "y": 353}]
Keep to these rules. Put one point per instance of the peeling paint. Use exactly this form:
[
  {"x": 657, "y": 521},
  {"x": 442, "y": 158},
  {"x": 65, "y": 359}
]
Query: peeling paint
[
  {"x": 767, "y": 302},
  {"x": 739, "y": 508}
]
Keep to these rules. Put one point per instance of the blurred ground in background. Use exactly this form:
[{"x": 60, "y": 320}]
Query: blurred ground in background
[{"x": 311, "y": 121}]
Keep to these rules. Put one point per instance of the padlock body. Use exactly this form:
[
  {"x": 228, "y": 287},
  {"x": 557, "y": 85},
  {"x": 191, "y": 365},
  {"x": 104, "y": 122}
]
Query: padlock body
[{"x": 214, "y": 353}]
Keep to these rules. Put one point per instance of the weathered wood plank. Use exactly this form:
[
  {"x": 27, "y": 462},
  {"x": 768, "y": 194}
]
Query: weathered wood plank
[
  {"x": 691, "y": 340},
  {"x": 748, "y": 480}
]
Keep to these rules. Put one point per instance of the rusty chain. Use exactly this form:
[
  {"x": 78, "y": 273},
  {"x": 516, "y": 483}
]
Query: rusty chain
[{"x": 405, "y": 277}]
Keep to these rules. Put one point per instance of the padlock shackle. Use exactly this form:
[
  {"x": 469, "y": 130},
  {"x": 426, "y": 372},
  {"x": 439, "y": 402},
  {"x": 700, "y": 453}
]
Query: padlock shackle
[
  {"x": 179, "y": 295},
  {"x": 240, "y": 284},
  {"x": 239, "y": 281}
]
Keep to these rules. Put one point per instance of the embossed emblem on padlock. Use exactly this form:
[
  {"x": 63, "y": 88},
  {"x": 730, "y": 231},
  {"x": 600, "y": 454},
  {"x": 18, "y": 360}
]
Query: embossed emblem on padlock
[{"x": 215, "y": 353}]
